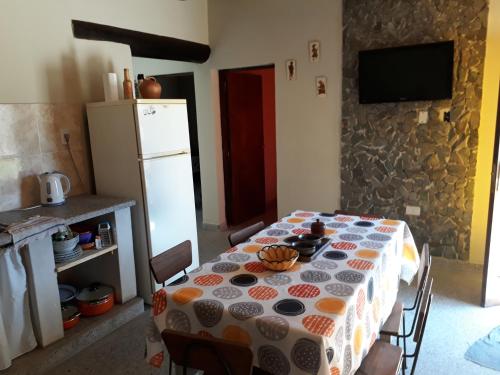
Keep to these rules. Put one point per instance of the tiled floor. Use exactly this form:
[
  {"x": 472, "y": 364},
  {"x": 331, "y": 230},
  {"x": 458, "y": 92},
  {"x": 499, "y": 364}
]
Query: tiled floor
[{"x": 455, "y": 322}]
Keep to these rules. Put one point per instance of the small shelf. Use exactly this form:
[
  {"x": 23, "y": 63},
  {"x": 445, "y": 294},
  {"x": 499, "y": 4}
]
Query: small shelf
[{"x": 87, "y": 255}]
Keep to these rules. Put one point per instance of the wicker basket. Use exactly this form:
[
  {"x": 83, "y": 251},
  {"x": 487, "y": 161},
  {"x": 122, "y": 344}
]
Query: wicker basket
[{"x": 278, "y": 257}]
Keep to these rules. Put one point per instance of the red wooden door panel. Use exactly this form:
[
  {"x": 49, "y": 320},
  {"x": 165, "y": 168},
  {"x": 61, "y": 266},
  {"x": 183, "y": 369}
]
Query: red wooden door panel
[{"x": 244, "y": 148}]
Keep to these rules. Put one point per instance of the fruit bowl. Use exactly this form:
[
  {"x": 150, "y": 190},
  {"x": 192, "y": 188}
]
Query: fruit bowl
[{"x": 278, "y": 257}]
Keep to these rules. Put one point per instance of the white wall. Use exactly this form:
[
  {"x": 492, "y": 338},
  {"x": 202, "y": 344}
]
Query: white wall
[
  {"x": 43, "y": 63},
  {"x": 251, "y": 33},
  {"x": 248, "y": 33}
]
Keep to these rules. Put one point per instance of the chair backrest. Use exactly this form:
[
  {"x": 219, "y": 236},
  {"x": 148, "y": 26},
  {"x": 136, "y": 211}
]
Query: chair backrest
[
  {"x": 423, "y": 313},
  {"x": 352, "y": 213},
  {"x": 424, "y": 268},
  {"x": 213, "y": 356},
  {"x": 244, "y": 234},
  {"x": 171, "y": 262}
]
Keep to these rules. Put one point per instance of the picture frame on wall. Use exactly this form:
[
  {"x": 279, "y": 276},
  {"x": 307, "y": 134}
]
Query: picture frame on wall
[
  {"x": 321, "y": 86},
  {"x": 291, "y": 69},
  {"x": 314, "y": 51}
]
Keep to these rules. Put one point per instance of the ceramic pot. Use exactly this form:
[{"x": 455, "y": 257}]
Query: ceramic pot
[
  {"x": 318, "y": 228},
  {"x": 150, "y": 88}
]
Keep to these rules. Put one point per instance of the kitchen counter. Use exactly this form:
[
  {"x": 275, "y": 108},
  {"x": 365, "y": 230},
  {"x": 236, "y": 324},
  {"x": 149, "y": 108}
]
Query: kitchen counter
[{"x": 76, "y": 209}]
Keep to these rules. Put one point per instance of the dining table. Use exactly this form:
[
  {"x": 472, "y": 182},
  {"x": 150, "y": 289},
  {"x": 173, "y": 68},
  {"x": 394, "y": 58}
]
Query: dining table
[{"x": 321, "y": 316}]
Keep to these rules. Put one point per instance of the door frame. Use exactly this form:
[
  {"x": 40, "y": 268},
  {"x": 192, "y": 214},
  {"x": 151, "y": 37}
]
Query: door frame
[
  {"x": 495, "y": 179},
  {"x": 225, "y": 135}
]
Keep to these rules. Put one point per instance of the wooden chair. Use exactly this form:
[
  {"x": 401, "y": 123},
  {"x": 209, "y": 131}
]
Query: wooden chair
[
  {"x": 171, "y": 262},
  {"x": 244, "y": 234},
  {"x": 423, "y": 313},
  {"x": 396, "y": 319},
  {"x": 352, "y": 213},
  {"x": 382, "y": 359},
  {"x": 213, "y": 356}
]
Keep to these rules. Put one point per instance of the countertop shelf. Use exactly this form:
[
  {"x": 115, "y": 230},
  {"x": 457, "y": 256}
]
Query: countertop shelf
[{"x": 87, "y": 255}]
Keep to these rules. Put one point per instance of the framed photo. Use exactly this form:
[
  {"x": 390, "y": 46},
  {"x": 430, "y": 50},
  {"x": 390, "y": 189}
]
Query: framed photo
[
  {"x": 314, "y": 51},
  {"x": 291, "y": 69},
  {"x": 321, "y": 86}
]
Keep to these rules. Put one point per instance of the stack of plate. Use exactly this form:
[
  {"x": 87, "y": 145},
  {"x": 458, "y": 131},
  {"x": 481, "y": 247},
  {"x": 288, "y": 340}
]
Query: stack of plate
[{"x": 69, "y": 255}]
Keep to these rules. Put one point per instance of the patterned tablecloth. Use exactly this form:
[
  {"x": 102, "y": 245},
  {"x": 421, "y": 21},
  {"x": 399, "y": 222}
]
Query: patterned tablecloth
[{"x": 317, "y": 318}]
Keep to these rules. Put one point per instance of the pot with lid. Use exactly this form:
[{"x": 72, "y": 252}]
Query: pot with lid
[{"x": 95, "y": 300}]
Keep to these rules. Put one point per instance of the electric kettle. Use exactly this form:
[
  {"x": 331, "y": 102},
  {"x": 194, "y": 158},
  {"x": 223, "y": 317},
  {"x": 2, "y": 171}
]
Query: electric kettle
[{"x": 51, "y": 190}]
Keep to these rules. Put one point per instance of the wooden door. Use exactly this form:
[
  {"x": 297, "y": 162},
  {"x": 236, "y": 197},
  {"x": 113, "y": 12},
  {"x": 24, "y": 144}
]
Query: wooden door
[
  {"x": 491, "y": 270},
  {"x": 243, "y": 146}
]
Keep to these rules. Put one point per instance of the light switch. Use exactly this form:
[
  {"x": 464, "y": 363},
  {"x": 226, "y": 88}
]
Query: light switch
[
  {"x": 413, "y": 210},
  {"x": 423, "y": 117}
]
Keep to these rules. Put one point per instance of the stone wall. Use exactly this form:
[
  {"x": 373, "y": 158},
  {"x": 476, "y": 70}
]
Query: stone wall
[{"x": 388, "y": 159}]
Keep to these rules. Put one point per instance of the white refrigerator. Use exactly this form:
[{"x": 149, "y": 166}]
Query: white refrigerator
[{"x": 140, "y": 150}]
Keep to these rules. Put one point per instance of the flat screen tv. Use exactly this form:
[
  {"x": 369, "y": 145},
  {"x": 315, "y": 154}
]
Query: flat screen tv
[{"x": 409, "y": 73}]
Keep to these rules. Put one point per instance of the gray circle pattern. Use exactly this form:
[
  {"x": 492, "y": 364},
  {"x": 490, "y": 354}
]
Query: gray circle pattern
[
  {"x": 339, "y": 342},
  {"x": 285, "y": 226},
  {"x": 208, "y": 311},
  {"x": 272, "y": 360},
  {"x": 337, "y": 225},
  {"x": 356, "y": 230},
  {"x": 227, "y": 292},
  {"x": 225, "y": 267},
  {"x": 178, "y": 321},
  {"x": 245, "y": 310},
  {"x": 273, "y": 327},
  {"x": 372, "y": 244},
  {"x": 307, "y": 224},
  {"x": 238, "y": 257},
  {"x": 347, "y": 360},
  {"x": 311, "y": 276},
  {"x": 324, "y": 265},
  {"x": 379, "y": 237},
  {"x": 349, "y": 323},
  {"x": 340, "y": 290},
  {"x": 277, "y": 232},
  {"x": 215, "y": 260},
  {"x": 306, "y": 355},
  {"x": 351, "y": 277},
  {"x": 278, "y": 279},
  {"x": 350, "y": 237}
]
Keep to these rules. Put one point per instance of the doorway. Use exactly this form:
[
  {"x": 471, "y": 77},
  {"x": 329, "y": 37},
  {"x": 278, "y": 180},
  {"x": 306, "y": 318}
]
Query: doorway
[
  {"x": 491, "y": 271},
  {"x": 181, "y": 86},
  {"x": 248, "y": 120}
]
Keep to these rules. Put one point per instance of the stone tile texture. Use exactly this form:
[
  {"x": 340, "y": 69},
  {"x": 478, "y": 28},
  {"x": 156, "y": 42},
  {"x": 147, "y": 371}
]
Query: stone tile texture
[
  {"x": 30, "y": 144},
  {"x": 388, "y": 159}
]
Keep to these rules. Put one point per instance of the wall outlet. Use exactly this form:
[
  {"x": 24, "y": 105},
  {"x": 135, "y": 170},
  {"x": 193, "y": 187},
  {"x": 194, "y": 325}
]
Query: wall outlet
[
  {"x": 413, "y": 210},
  {"x": 62, "y": 133},
  {"x": 423, "y": 117},
  {"x": 445, "y": 114}
]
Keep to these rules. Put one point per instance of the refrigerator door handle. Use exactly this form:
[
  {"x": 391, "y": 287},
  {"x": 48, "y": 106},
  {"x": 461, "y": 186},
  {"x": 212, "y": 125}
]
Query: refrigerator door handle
[{"x": 164, "y": 156}]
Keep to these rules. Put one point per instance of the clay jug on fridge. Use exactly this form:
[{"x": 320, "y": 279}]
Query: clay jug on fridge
[{"x": 150, "y": 88}]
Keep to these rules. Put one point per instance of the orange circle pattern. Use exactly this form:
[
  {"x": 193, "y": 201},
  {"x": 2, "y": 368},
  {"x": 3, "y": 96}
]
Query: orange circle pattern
[
  {"x": 343, "y": 245},
  {"x": 319, "y": 325},
  {"x": 334, "y": 371},
  {"x": 263, "y": 292},
  {"x": 390, "y": 222},
  {"x": 385, "y": 229},
  {"x": 331, "y": 305},
  {"x": 296, "y": 220},
  {"x": 252, "y": 248},
  {"x": 359, "y": 264},
  {"x": 267, "y": 240},
  {"x": 185, "y": 295},
  {"x": 159, "y": 302},
  {"x": 367, "y": 254},
  {"x": 329, "y": 232},
  {"x": 208, "y": 280},
  {"x": 235, "y": 333},
  {"x": 255, "y": 267},
  {"x": 304, "y": 291}
]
